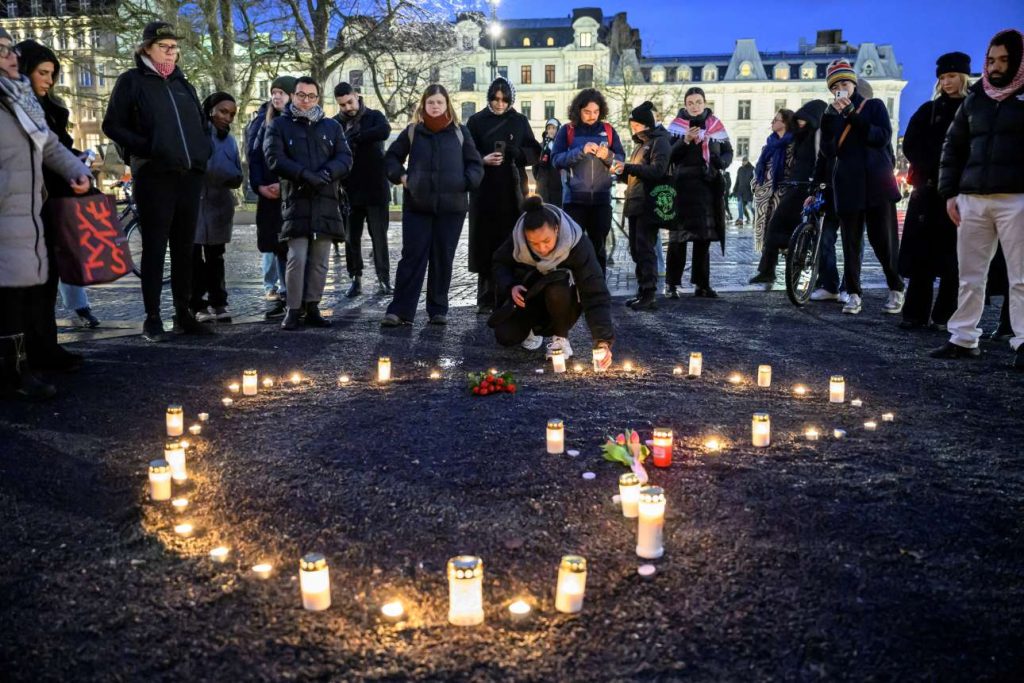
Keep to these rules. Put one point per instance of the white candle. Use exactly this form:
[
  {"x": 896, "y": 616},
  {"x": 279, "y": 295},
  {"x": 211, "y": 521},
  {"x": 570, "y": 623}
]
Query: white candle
[
  {"x": 233, "y": 387},
  {"x": 250, "y": 382},
  {"x": 799, "y": 390},
  {"x": 735, "y": 378},
  {"x": 220, "y": 554},
  {"x": 383, "y": 369},
  {"x": 315, "y": 582},
  {"x": 871, "y": 425},
  {"x": 696, "y": 364},
  {"x": 344, "y": 379},
  {"x": 651, "y": 524},
  {"x": 263, "y": 570},
  {"x": 627, "y": 366},
  {"x": 179, "y": 504},
  {"x": 556, "y": 437},
  {"x": 761, "y": 430},
  {"x": 227, "y": 401},
  {"x": 856, "y": 403},
  {"x": 465, "y": 591},
  {"x": 204, "y": 417},
  {"x": 175, "y": 420},
  {"x": 677, "y": 370},
  {"x": 195, "y": 430},
  {"x": 558, "y": 360},
  {"x": 159, "y": 480},
  {"x": 662, "y": 447},
  {"x": 764, "y": 375},
  {"x": 296, "y": 378},
  {"x": 519, "y": 611},
  {"x": 888, "y": 417},
  {"x": 435, "y": 374},
  {"x": 577, "y": 367},
  {"x": 393, "y": 610},
  {"x": 811, "y": 433},
  {"x": 629, "y": 494},
  {"x": 600, "y": 354},
  {"x": 268, "y": 382},
  {"x": 713, "y": 445},
  {"x": 836, "y": 389},
  {"x": 174, "y": 454},
  {"x": 838, "y": 433},
  {"x": 572, "y": 583}
]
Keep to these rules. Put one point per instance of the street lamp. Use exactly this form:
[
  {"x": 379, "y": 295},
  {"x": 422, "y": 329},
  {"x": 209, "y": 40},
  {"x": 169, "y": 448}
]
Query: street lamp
[{"x": 494, "y": 30}]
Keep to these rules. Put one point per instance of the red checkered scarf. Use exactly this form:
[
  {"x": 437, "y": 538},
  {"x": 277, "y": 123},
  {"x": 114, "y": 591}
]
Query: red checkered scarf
[
  {"x": 713, "y": 129},
  {"x": 1000, "y": 94}
]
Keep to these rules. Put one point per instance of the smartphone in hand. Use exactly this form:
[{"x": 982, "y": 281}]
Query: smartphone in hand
[{"x": 499, "y": 147}]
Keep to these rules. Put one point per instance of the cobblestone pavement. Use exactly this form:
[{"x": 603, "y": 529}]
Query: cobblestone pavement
[{"x": 119, "y": 304}]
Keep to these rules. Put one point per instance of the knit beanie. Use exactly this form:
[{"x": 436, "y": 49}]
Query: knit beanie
[
  {"x": 840, "y": 70},
  {"x": 953, "y": 63},
  {"x": 285, "y": 83},
  {"x": 5, "y": 34},
  {"x": 644, "y": 115}
]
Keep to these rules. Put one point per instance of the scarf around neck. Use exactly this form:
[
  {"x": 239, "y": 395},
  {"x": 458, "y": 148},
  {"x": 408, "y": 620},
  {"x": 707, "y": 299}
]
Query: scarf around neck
[
  {"x": 569, "y": 235},
  {"x": 711, "y": 128},
  {"x": 162, "y": 70},
  {"x": 314, "y": 114},
  {"x": 1016, "y": 82},
  {"x": 435, "y": 124},
  {"x": 18, "y": 95},
  {"x": 774, "y": 154}
]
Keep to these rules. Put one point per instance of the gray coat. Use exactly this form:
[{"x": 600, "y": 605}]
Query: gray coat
[
  {"x": 23, "y": 259},
  {"x": 217, "y": 201}
]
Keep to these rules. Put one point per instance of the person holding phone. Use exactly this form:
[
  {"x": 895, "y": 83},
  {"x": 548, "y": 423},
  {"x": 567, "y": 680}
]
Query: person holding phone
[{"x": 507, "y": 143}]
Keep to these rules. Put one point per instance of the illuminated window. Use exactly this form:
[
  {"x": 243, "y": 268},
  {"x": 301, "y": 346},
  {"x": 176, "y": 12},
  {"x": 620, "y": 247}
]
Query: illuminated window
[
  {"x": 685, "y": 74},
  {"x": 710, "y": 73},
  {"x": 526, "y": 42},
  {"x": 782, "y": 72},
  {"x": 746, "y": 70},
  {"x": 808, "y": 72},
  {"x": 526, "y": 74},
  {"x": 586, "y": 39},
  {"x": 550, "y": 42}
]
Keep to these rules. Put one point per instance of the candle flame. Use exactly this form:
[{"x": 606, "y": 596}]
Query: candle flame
[
  {"x": 393, "y": 609},
  {"x": 735, "y": 378},
  {"x": 184, "y": 529},
  {"x": 520, "y": 607},
  {"x": 220, "y": 553}
]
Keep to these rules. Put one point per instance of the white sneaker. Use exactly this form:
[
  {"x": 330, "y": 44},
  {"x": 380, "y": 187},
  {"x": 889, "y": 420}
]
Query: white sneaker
[
  {"x": 853, "y": 305},
  {"x": 895, "y": 302},
  {"x": 221, "y": 313},
  {"x": 533, "y": 342},
  {"x": 559, "y": 343},
  {"x": 205, "y": 316},
  {"x": 822, "y": 294},
  {"x": 843, "y": 297}
]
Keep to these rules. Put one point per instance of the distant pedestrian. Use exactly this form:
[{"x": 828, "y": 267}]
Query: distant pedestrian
[
  {"x": 727, "y": 177},
  {"x": 769, "y": 173},
  {"x": 437, "y": 164},
  {"x": 928, "y": 248},
  {"x": 548, "y": 275},
  {"x": 506, "y": 143},
  {"x": 589, "y": 151},
  {"x": 267, "y": 186},
  {"x": 981, "y": 174},
  {"x": 743, "y": 191},
  {"x": 216, "y": 212},
  {"x": 309, "y": 153},
  {"x": 699, "y": 155},
  {"x": 155, "y": 116},
  {"x": 367, "y": 188},
  {"x": 548, "y": 178}
]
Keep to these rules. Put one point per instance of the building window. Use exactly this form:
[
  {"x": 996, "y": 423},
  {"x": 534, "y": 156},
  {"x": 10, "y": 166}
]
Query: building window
[
  {"x": 742, "y": 147},
  {"x": 468, "y": 81},
  {"x": 527, "y": 109},
  {"x": 503, "y": 71},
  {"x": 869, "y": 69},
  {"x": 671, "y": 74},
  {"x": 685, "y": 74},
  {"x": 84, "y": 77},
  {"x": 550, "y": 42},
  {"x": 586, "y": 39},
  {"x": 80, "y": 40},
  {"x": 658, "y": 76},
  {"x": 743, "y": 111},
  {"x": 746, "y": 70},
  {"x": 435, "y": 74},
  {"x": 83, "y": 6},
  {"x": 355, "y": 78},
  {"x": 35, "y": 8},
  {"x": 12, "y": 9},
  {"x": 782, "y": 72},
  {"x": 645, "y": 74},
  {"x": 62, "y": 41},
  {"x": 710, "y": 73},
  {"x": 526, "y": 42},
  {"x": 95, "y": 39},
  {"x": 585, "y": 76},
  {"x": 468, "y": 109},
  {"x": 808, "y": 72},
  {"x": 467, "y": 42},
  {"x": 549, "y": 109},
  {"x": 889, "y": 104},
  {"x": 263, "y": 90},
  {"x": 390, "y": 81},
  {"x": 525, "y": 74},
  {"x": 60, "y": 7},
  {"x": 549, "y": 73},
  {"x": 780, "y": 104},
  {"x": 101, "y": 71}
]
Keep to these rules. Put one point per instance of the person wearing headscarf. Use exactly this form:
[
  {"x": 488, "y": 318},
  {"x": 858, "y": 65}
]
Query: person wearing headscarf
[
  {"x": 548, "y": 178},
  {"x": 770, "y": 172},
  {"x": 981, "y": 175},
  {"x": 506, "y": 142},
  {"x": 216, "y": 212},
  {"x": 928, "y": 247}
]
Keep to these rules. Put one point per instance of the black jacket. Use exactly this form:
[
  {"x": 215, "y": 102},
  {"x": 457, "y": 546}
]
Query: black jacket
[
  {"x": 298, "y": 151},
  {"x": 586, "y": 271},
  {"x": 57, "y": 117},
  {"x": 548, "y": 178},
  {"x": 255, "y": 135},
  {"x": 367, "y": 184},
  {"x": 157, "y": 121},
  {"x": 744, "y": 175},
  {"x": 647, "y": 168},
  {"x": 440, "y": 171},
  {"x": 984, "y": 149},
  {"x": 805, "y": 142},
  {"x": 700, "y": 189}
]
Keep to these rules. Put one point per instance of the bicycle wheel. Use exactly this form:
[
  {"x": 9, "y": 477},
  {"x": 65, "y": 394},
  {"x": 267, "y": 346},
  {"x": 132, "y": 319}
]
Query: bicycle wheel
[
  {"x": 134, "y": 234},
  {"x": 802, "y": 262}
]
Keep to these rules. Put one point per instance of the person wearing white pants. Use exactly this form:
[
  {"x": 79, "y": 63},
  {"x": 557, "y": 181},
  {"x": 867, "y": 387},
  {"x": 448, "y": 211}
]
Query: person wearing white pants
[{"x": 982, "y": 176}]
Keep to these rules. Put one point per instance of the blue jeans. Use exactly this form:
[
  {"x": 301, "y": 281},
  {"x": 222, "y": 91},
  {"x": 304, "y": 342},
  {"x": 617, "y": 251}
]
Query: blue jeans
[
  {"x": 660, "y": 254},
  {"x": 270, "y": 275},
  {"x": 741, "y": 209},
  {"x": 73, "y": 297}
]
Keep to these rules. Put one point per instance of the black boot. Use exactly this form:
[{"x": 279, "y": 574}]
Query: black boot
[
  {"x": 354, "y": 289},
  {"x": 646, "y": 302},
  {"x": 276, "y": 310},
  {"x": 16, "y": 380},
  {"x": 186, "y": 323},
  {"x": 671, "y": 292},
  {"x": 633, "y": 299},
  {"x": 313, "y": 317},
  {"x": 153, "y": 329},
  {"x": 291, "y": 320},
  {"x": 384, "y": 287}
]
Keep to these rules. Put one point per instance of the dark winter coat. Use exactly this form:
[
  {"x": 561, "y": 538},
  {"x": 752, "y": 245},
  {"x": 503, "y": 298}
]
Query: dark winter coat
[
  {"x": 587, "y": 179},
  {"x": 928, "y": 245},
  {"x": 586, "y": 273},
  {"x": 548, "y": 178},
  {"x": 217, "y": 199},
  {"x": 367, "y": 184},
  {"x": 744, "y": 176},
  {"x": 440, "y": 171},
  {"x": 862, "y": 175},
  {"x": 700, "y": 190},
  {"x": 296, "y": 148},
  {"x": 57, "y": 118},
  {"x": 494, "y": 205},
  {"x": 157, "y": 121},
  {"x": 984, "y": 148},
  {"x": 647, "y": 172},
  {"x": 268, "y": 211}
]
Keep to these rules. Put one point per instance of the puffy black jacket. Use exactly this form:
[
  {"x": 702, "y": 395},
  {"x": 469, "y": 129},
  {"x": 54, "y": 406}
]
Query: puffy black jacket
[
  {"x": 647, "y": 168},
  {"x": 440, "y": 170},
  {"x": 255, "y": 135},
  {"x": 984, "y": 149},
  {"x": 367, "y": 184},
  {"x": 157, "y": 121},
  {"x": 297, "y": 150}
]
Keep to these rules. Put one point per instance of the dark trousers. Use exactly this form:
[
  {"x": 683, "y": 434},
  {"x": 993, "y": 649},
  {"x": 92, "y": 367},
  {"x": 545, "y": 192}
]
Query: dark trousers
[
  {"x": 917, "y": 307},
  {"x": 551, "y": 312},
  {"x": 769, "y": 260},
  {"x": 376, "y": 219},
  {"x": 485, "y": 294},
  {"x": 643, "y": 235},
  {"x": 881, "y": 229},
  {"x": 675, "y": 263},
  {"x": 428, "y": 248},
  {"x": 16, "y": 308},
  {"x": 40, "y": 321},
  {"x": 168, "y": 209},
  {"x": 596, "y": 221},
  {"x": 208, "y": 276}
]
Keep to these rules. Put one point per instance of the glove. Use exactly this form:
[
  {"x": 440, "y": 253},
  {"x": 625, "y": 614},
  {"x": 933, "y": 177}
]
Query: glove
[{"x": 312, "y": 179}]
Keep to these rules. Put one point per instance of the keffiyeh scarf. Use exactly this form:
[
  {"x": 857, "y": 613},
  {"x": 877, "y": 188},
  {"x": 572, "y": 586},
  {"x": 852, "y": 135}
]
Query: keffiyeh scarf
[{"x": 712, "y": 128}]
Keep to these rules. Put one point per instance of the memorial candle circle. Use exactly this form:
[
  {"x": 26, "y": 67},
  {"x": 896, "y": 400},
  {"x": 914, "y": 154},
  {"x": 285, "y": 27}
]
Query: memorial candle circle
[
  {"x": 572, "y": 583},
  {"x": 837, "y": 389},
  {"x": 556, "y": 437},
  {"x": 250, "y": 382},
  {"x": 629, "y": 494},
  {"x": 764, "y": 375},
  {"x": 651, "y": 523},
  {"x": 761, "y": 430},
  {"x": 175, "y": 420},
  {"x": 662, "y": 447},
  {"x": 465, "y": 591},
  {"x": 159, "y": 480},
  {"x": 315, "y": 583}
]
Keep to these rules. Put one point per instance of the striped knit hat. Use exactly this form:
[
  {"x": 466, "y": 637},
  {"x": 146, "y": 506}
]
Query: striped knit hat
[{"x": 840, "y": 70}]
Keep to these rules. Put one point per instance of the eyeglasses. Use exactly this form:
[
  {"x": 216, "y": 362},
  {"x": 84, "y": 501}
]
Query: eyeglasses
[
  {"x": 169, "y": 49},
  {"x": 6, "y": 51},
  {"x": 307, "y": 96}
]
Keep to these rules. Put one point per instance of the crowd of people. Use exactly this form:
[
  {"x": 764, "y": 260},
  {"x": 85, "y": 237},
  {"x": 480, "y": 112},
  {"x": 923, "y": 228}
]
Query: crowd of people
[{"x": 540, "y": 258}]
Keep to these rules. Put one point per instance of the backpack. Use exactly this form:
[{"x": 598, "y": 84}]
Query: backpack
[{"x": 570, "y": 133}]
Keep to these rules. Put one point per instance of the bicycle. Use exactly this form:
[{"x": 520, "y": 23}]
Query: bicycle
[
  {"x": 132, "y": 228},
  {"x": 803, "y": 255}
]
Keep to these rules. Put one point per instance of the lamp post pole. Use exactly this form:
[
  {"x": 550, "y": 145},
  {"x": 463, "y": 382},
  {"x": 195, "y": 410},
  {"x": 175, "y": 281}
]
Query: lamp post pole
[{"x": 494, "y": 29}]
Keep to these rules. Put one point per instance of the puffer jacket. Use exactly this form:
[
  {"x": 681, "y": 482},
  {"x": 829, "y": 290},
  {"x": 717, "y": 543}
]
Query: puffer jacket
[
  {"x": 648, "y": 168},
  {"x": 157, "y": 121},
  {"x": 440, "y": 170},
  {"x": 587, "y": 178},
  {"x": 216, "y": 199},
  {"x": 984, "y": 148},
  {"x": 255, "y": 135},
  {"x": 23, "y": 257},
  {"x": 295, "y": 147}
]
